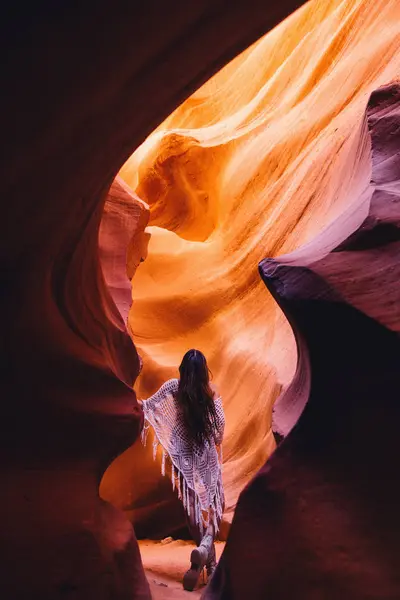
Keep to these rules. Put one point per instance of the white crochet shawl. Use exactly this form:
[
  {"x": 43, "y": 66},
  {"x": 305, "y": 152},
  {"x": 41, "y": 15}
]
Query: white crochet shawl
[{"x": 194, "y": 467}]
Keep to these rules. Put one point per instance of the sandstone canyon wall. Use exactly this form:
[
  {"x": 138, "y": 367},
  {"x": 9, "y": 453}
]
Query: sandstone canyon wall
[
  {"x": 123, "y": 242},
  {"x": 83, "y": 84},
  {"x": 321, "y": 519},
  {"x": 256, "y": 163}
]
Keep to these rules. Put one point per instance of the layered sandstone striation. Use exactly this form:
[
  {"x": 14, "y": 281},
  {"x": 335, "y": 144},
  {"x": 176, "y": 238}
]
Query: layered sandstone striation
[
  {"x": 83, "y": 85},
  {"x": 262, "y": 158},
  {"x": 256, "y": 164},
  {"x": 123, "y": 242},
  {"x": 321, "y": 518}
]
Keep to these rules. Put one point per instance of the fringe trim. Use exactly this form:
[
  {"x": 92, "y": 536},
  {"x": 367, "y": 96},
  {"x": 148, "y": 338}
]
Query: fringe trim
[
  {"x": 155, "y": 447},
  {"x": 163, "y": 463},
  {"x": 173, "y": 475},
  {"x": 145, "y": 433},
  {"x": 179, "y": 486},
  {"x": 179, "y": 482}
]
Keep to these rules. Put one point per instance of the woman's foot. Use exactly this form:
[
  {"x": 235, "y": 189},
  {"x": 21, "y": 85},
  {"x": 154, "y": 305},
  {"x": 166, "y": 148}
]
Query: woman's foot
[{"x": 198, "y": 559}]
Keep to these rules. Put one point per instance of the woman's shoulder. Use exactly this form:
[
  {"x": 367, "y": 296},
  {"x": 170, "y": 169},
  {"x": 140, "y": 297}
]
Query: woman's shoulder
[
  {"x": 215, "y": 391},
  {"x": 172, "y": 384}
]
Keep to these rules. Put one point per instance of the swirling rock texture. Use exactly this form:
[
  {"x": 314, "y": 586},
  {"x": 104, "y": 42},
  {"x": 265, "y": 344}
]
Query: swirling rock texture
[
  {"x": 256, "y": 163},
  {"x": 324, "y": 510},
  {"x": 122, "y": 234},
  {"x": 83, "y": 85}
]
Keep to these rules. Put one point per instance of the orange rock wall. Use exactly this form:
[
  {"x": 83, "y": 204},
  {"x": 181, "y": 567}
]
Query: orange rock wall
[
  {"x": 84, "y": 84},
  {"x": 256, "y": 163}
]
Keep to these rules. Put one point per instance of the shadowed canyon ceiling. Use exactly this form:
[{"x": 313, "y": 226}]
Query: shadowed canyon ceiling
[
  {"x": 256, "y": 163},
  {"x": 275, "y": 184}
]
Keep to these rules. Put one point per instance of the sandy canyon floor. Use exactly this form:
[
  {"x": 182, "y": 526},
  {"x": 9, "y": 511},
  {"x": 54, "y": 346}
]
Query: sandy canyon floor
[{"x": 165, "y": 562}]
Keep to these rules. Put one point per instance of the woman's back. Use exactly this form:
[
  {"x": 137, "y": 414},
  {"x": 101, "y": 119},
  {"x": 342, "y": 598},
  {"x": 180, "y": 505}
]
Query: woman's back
[
  {"x": 160, "y": 403},
  {"x": 188, "y": 420},
  {"x": 198, "y": 463}
]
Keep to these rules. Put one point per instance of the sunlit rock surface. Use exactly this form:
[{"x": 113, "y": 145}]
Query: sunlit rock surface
[
  {"x": 321, "y": 518},
  {"x": 272, "y": 163},
  {"x": 255, "y": 164},
  {"x": 83, "y": 85}
]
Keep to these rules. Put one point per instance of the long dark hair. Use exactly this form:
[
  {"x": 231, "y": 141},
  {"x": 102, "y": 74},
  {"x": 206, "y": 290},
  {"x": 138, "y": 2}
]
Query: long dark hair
[{"x": 196, "y": 398}]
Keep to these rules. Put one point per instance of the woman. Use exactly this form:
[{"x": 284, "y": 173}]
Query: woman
[{"x": 188, "y": 420}]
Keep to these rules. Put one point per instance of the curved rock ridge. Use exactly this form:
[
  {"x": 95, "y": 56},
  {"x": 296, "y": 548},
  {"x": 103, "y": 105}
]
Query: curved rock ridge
[
  {"x": 369, "y": 284},
  {"x": 84, "y": 84},
  {"x": 322, "y": 514},
  {"x": 122, "y": 234},
  {"x": 267, "y": 154}
]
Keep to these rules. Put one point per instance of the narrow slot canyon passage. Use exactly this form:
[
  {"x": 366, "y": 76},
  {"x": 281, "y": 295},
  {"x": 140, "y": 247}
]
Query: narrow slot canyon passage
[
  {"x": 256, "y": 163},
  {"x": 218, "y": 175}
]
